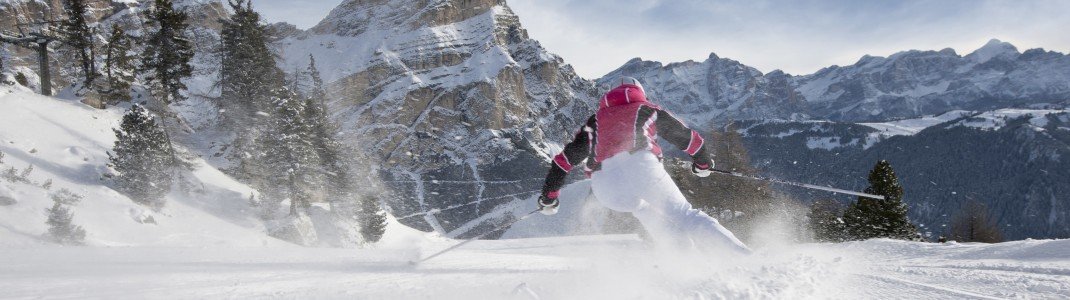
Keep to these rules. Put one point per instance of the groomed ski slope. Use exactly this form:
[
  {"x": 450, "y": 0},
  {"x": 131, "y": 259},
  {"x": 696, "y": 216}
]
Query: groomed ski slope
[
  {"x": 577, "y": 267},
  {"x": 207, "y": 245}
]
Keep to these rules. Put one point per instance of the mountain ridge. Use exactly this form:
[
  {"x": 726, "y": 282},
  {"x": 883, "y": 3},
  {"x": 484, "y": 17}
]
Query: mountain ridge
[{"x": 905, "y": 84}]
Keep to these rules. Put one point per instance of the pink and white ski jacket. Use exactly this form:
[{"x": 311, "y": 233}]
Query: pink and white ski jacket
[{"x": 625, "y": 122}]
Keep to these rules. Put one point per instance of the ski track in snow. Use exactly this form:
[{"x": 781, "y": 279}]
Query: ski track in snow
[{"x": 576, "y": 267}]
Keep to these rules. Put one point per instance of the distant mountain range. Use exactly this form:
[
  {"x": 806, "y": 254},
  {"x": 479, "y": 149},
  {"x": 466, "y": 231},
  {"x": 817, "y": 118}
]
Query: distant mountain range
[{"x": 904, "y": 85}]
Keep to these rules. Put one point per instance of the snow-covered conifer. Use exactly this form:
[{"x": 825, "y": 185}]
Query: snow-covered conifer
[
  {"x": 318, "y": 90},
  {"x": 142, "y": 158},
  {"x": 249, "y": 75},
  {"x": 118, "y": 66},
  {"x": 168, "y": 51},
  {"x": 79, "y": 38},
  {"x": 249, "y": 81},
  {"x": 372, "y": 219},
  {"x": 323, "y": 136},
  {"x": 294, "y": 167}
]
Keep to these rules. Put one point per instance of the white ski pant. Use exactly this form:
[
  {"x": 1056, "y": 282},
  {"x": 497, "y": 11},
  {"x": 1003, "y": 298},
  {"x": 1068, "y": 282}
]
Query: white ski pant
[{"x": 637, "y": 183}]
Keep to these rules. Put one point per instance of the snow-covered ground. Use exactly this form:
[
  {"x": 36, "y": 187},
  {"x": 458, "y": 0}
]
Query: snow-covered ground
[
  {"x": 67, "y": 144},
  {"x": 989, "y": 120},
  {"x": 577, "y": 267},
  {"x": 206, "y": 244},
  {"x": 913, "y": 126}
]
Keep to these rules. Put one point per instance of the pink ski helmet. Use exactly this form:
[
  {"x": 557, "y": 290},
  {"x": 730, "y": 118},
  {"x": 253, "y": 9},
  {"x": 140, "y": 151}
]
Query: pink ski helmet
[
  {"x": 628, "y": 91},
  {"x": 632, "y": 81}
]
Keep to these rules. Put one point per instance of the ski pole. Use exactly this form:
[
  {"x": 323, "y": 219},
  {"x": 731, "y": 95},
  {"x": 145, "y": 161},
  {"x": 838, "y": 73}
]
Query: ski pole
[
  {"x": 803, "y": 185},
  {"x": 503, "y": 226}
]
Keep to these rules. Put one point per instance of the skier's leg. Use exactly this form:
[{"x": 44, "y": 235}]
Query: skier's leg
[
  {"x": 638, "y": 183},
  {"x": 703, "y": 229},
  {"x": 661, "y": 228}
]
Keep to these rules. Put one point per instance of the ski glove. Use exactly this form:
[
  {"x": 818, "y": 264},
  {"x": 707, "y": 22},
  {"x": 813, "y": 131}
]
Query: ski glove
[
  {"x": 548, "y": 203},
  {"x": 702, "y": 169}
]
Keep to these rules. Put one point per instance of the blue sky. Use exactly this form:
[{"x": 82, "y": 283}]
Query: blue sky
[{"x": 800, "y": 37}]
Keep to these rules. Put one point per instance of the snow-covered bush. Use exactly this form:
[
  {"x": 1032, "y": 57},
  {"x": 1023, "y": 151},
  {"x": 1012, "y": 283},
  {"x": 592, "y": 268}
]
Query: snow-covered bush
[
  {"x": 15, "y": 176},
  {"x": 60, "y": 228},
  {"x": 66, "y": 197}
]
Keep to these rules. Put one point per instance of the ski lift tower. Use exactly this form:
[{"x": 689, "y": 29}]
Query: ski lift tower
[{"x": 36, "y": 41}]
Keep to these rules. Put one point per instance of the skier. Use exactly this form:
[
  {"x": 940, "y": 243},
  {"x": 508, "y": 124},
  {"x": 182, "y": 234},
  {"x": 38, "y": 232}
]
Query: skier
[{"x": 623, "y": 161}]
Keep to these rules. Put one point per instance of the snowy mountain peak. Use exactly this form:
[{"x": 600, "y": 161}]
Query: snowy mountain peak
[
  {"x": 994, "y": 48},
  {"x": 948, "y": 51},
  {"x": 444, "y": 90},
  {"x": 869, "y": 59},
  {"x": 354, "y": 17},
  {"x": 634, "y": 60}
]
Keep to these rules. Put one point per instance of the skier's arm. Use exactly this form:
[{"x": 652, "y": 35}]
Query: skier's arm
[
  {"x": 674, "y": 131},
  {"x": 573, "y": 155}
]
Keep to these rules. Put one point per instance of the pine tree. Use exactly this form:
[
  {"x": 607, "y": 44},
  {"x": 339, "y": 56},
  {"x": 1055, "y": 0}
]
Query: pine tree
[
  {"x": 318, "y": 90},
  {"x": 142, "y": 158},
  {"x": 168, "y": 51},
  {"x": 249, "y": 74},
  {"x": 373, "y": 220},
  {"x": 973, "y": 223},
  {"x": 871, "y": 218},
  {"x": 826, "y": 222},
  {"x": 118, "y": 67},
  {"x": 294, "y": 167},
  {"x": 324, "y": 137},
  {"x": 79, "y": 37},
  {"x": 250, "y": 80},
  {"x": 60, "y": 226}
]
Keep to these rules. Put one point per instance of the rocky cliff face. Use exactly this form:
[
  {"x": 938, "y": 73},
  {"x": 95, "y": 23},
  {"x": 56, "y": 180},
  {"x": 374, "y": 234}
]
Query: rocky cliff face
[
  {"x": 903, "y": 85},
  {"x": 458, "y": 105}
]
